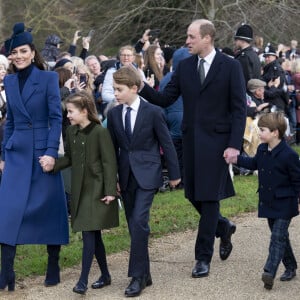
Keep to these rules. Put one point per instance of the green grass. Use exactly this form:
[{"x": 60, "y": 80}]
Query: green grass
[{"x": 170, "y": 212}]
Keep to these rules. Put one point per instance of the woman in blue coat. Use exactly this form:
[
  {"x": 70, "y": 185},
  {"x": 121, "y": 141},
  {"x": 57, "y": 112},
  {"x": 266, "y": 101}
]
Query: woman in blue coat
[{"x": 32, "y": 203}]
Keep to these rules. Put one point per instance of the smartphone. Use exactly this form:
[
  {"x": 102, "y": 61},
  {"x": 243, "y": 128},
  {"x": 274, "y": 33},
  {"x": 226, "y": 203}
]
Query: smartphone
[
  {"x": 154, "y": 32},
  {"x": 82, "y": 78},
  {"x": 91, "y": 33}
]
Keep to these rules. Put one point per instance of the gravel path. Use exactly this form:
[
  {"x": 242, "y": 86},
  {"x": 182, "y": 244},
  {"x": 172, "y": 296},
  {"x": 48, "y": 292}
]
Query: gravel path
[{"x": 172, "y": 259}]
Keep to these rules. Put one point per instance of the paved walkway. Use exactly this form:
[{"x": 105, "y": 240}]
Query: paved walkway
[{"x": 172, "y": 259}]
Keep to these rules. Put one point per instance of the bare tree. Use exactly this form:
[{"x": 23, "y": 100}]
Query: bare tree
[{"x": 119, "y": 22}]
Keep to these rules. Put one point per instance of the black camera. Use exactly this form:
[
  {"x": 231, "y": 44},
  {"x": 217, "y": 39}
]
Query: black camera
[{"x": 154, "y": 32}]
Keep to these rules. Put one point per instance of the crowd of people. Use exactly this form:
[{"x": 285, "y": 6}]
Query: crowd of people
[{"x": 97, "y": 117}]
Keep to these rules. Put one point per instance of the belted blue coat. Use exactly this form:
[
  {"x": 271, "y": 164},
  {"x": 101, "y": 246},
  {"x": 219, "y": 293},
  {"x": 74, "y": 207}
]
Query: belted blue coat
[{"x": 32, "y": 203}]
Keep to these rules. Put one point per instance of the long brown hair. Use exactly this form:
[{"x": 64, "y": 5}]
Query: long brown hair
[
  {"x": 83, "y": 100},
  {"x": 149, "y": 61},
  {"x": 38, "y": 60},
  {"x": 63, "y": 75}
]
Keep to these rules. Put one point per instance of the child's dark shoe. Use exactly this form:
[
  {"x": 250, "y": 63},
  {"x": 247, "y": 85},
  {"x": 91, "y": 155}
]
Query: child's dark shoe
[
  {"x": 268, "y": 280},
  {"x": 288, "y": 275}
]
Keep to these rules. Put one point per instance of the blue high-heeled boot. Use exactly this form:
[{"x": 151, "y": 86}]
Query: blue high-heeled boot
[
  {"x": 7, "y": 275},
  {"x": 52, "y": 274}
]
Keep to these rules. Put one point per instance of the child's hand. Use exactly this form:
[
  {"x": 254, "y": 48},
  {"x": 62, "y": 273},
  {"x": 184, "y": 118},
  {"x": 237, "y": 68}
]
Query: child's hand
[
  {"x": 2, "y": 163},
  {"x": 174, "y": 183},
  {"x": 47, "y": 163},
  {"x": 230, "y": 155},
  {"x": 108, "y": 199}
]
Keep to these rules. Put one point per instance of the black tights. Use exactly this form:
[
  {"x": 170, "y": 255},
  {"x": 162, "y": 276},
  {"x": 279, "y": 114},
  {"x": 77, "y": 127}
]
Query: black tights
[{"x": 92, "y": 245}]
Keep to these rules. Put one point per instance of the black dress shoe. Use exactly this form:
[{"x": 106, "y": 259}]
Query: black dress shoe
[
  {"x": 136, "y": 286},
  {"x": 288, "y": 275},
  {"x": 101, "y": 282},
  {"x": 80, "y": 288},
  {"x": 268, "y": 280},
  {"x": 201, "y": 269},
  {"x": 225, "y": 244},
  {"x": 51, "y": 283},
  {"x": 148, "y": 280}
]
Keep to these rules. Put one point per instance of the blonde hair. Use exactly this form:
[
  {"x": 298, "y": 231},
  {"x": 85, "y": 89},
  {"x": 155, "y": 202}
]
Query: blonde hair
[
  {"x": 90, "y": 81},
  {"x": 295, "y": 68},
  {"x": 139, "y": 60},
  {"x": 127, "y": 47},
  {"x": 4, "y": 61}
]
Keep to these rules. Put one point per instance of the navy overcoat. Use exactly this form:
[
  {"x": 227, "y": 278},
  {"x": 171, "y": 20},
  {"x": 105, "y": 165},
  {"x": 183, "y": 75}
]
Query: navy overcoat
[
  {"x": 278, "y": 178},
  {"x": 32, "y": 203},
  {"x": 214, "y": 115}
]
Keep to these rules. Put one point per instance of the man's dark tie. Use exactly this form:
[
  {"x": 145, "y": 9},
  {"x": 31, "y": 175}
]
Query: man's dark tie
[
  {"x": 201, "y": 70},
  {"x": 128, "y": 123}
]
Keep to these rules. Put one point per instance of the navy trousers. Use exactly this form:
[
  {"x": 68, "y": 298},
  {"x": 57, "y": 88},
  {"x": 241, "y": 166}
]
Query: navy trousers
[
  {"x": 280, "y": 248},
  {"x": 137, "y": 204},
  {"x": 211, "y": 224}
]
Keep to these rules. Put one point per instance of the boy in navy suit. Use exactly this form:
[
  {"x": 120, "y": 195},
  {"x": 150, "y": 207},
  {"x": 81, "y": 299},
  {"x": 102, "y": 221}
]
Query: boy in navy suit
[
  {"x": 279, "y": 186},
  {"x": 138, "y": 130}
]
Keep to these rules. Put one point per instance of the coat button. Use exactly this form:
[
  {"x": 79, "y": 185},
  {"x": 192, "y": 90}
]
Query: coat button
[{"x": 29, "y": 125}]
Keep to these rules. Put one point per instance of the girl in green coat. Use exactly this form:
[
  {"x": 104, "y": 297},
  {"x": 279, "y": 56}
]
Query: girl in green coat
[{"x": 90, "y": 153}]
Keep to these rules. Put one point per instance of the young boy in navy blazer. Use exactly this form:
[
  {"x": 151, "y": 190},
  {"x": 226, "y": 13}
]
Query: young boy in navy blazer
[
  {"x": 138, "y": 130},
  {"x": 279, "y": 186}
]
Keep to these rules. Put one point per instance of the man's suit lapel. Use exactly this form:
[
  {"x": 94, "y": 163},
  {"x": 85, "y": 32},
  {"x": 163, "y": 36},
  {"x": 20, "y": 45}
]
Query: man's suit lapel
[{"x": 213, "y": 70}]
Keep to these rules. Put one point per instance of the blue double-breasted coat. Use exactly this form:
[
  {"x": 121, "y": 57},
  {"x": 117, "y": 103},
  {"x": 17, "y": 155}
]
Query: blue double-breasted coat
[
  {"x": 32, "y": 203},
  {"x": 278, "y": 178}
]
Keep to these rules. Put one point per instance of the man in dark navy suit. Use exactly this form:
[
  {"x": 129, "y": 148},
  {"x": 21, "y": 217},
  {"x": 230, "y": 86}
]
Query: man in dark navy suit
[
  {"x": 138, "y": 130},
  {"x": 214, "y": 113}
]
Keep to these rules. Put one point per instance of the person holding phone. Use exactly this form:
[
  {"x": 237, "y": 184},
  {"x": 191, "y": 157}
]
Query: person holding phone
[{"x": 84, "y": 79}]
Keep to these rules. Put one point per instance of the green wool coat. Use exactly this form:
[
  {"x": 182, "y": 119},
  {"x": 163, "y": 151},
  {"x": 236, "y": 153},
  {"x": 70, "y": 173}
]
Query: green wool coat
[{"x": 90, "y": 153}]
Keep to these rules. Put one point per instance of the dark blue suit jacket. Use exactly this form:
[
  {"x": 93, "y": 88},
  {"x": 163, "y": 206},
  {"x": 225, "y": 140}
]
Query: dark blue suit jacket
[{"x": 142, "y": 154}]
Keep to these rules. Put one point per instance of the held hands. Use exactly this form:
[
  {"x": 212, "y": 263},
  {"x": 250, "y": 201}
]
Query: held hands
[
  {"x": 230, "y": 155},
  {"x": 108, "y": 199},
  {"x": 174, "y": 183},
  {"x": 47, "y": 163},
  {"x": 2, "y": 163}
]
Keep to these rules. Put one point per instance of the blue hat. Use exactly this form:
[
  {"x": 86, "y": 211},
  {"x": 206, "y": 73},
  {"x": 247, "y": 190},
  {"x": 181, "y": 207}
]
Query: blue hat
[{"x": 19, "y": 37}]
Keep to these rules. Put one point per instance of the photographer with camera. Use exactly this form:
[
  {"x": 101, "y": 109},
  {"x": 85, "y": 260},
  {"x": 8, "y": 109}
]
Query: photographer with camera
[{"x": 273, "y": 74}]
